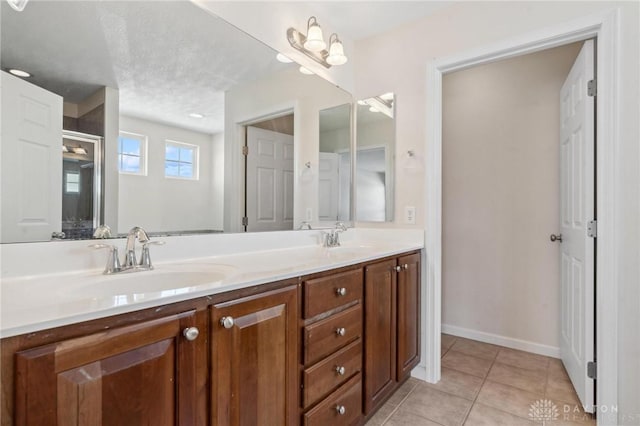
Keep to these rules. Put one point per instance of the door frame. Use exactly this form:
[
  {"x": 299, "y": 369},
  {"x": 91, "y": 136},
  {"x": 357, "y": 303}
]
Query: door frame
[{"x": 604, "y": 27}]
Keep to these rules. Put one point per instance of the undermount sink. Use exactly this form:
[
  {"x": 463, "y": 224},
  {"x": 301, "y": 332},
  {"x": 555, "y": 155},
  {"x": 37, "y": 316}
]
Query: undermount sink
[{"x": 165, "y": 279}]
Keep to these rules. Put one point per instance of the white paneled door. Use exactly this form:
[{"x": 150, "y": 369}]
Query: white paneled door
[
  {"x": 577, "y": 163},
  {"x": 269, "y": 180},
  {"x": 31, "y": 151}
]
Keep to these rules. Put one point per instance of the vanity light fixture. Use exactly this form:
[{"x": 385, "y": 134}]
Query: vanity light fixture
[
  {"x": 196, "y": 115},
  {"x": 18, "y": 5},
  {"x": 19, "y": 73},
  {"x": 313, "y": 45}
]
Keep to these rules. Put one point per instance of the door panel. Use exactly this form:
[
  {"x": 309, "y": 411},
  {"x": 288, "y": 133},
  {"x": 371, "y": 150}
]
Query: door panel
[
  {"x": 31, "y": 161},
  {"x": 577, "y": 162},
  {"x": 408, "y": 314}
]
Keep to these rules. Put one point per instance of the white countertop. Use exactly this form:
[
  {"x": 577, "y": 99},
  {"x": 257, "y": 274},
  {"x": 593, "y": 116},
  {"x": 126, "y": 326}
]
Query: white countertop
[{"x": 48, "y": 299}]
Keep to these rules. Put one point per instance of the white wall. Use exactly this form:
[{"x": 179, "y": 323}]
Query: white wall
[
  {"x": 286, "y": 90},
  {"x": 161, "y": 204},
  {"x": 397, "y": 61},
  {"x": 501, "y": 192}
]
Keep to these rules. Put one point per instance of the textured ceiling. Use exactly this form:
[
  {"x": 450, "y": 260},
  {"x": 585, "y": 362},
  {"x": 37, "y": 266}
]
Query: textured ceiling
[{"x": 167, "y": 58}]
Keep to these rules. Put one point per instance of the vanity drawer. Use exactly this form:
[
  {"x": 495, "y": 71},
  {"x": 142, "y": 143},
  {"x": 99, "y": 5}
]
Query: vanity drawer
[
  {"x": 326, "y": 293},
  {"x": 324, "y": 337},
  {"x": 331, "y": 372},
  {"x": 341, "y": 408}
]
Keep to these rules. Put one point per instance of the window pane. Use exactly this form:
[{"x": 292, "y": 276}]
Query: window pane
[
  {"x": 73, "y": 177},
  {"x": 186, "y": 170},
  {"x": 171, "y": 168},
  {"x": 130, "y": 164},
  {"x": 172, "y": 153},
  {"x": 129, "y": 146},
  {"x": 186, "y": 155}
]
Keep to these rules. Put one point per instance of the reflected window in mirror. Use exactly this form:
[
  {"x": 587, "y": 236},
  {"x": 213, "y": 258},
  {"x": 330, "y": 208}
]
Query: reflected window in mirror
[
  {"x": 72, "y": 182},
  {"x": 181, "y": 160},
  {"x": 132, "y": 150},
  {"x": 375, "y": 158},
  {"x": 334, "y": 170}
]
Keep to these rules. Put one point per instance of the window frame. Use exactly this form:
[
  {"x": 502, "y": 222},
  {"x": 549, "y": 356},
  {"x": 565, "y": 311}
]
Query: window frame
[
  {"x": 144, "y": 140},
  {"x": 195, "y": 164}
]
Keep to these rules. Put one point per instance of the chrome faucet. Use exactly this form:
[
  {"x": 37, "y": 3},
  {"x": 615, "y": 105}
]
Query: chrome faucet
[
  {"x": 129, "y": 264},
  {"x": 332, "y": 238}
]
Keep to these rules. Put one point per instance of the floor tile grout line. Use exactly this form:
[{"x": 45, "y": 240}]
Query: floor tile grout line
[
  {"x": 399, "y": 404},
  {"x": 484, "y": 380}
]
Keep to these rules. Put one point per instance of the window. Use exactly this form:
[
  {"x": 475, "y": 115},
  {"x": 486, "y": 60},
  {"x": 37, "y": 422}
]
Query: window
[
  {"x": 72, "y": 182},
  {"x": 131, "y": 153},
  {"x": 181, "y": 160}
]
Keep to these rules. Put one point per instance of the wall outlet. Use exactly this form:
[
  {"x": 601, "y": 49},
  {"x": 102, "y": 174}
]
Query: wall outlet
[
  {"x": 309, "y": 214},
  {"x": 410, "y": 215}
]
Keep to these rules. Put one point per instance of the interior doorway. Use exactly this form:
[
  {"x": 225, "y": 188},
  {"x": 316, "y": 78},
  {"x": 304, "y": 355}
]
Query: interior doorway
[
  {"x": 269, "y": 174},
  {"x": 502, "y": 170}
]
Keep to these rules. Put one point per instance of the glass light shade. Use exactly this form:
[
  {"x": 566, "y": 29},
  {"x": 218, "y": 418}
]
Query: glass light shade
[
  {"x": 18, "y": 5},
  {"x": 314, "y": 42},
  {"x": 80, "y": 150},
  {"x": 336, "y": 54},
  {"x": 64, "y": 148}
]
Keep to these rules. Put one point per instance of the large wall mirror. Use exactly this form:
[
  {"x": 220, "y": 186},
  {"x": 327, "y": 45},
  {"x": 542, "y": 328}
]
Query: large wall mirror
[
  {"x": 375, "y": 158},
  {"x": 181, "y": 123}
]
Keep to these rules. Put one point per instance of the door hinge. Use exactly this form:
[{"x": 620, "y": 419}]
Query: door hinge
[
  {"x": 592, "y": 228},
  {"x": 592, "y": 87},
  {"x": 245, "y": 150},
  {"x": 245, "y": 221},
  {"x": 592, "y": 370}
]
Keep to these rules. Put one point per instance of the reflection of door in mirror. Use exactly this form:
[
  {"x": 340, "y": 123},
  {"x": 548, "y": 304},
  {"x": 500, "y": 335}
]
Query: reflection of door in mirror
[
  {"x": 375, "y": 159},
  {"x": 31, "y": 167},
  {"x": 269, "y": 175},
  {"x": 334, "y": 170},
  {"x": 80, "y": 184}
]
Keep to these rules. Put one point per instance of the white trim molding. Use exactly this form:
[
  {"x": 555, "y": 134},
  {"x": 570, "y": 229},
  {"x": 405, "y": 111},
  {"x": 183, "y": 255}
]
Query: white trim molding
[{"x": 605, "y": 28}]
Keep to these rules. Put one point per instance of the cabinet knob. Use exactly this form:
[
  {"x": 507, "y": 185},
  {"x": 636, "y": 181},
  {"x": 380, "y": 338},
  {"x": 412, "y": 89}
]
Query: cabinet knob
[
  {"x": 191, "y": 333},
  {"x": 340, "y": 370},
  {"x": 405, "y": 266},
  {"x": 341, "y": 291},
  {"x": 398, "y": 268},
  {"x": 340, "y": 409},
  {"x": 226, "y": 322},
  {"x": 340, "y": 331}
]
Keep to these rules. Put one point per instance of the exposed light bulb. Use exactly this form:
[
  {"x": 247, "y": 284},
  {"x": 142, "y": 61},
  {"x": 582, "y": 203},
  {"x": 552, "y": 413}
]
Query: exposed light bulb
[{"x": 336, "y": 51}]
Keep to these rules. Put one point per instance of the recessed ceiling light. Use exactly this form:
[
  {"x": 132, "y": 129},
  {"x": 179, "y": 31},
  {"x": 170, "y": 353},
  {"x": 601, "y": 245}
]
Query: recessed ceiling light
[
  {"x": 283, "y": 58},
  {"x": 305, "y": 71},
  {"x": 19, "y": 73},
  {"x": 196, "y": 115}
]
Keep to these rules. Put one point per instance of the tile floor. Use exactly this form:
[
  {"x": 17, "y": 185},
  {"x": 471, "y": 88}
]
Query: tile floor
[{"x": 484, "y": 384}]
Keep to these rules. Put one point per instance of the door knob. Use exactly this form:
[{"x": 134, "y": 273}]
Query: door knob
[
  {"x": 226, "y": 322},
  {"x": 405, "y": 266},
  {"x": 191, "y": 333},
  {"x": 341, "y": 331},
  {"x": 340, "y": 409},
  {"x": 341, "y": 370},
  {"x": 341, "y": 291},
  {"x": 555, "y": 238}
]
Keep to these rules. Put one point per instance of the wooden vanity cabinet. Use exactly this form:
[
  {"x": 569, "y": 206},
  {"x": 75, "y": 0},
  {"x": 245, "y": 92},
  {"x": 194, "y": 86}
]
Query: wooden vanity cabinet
[
  {"x": 254, "y": 348},
  {"x": 144, "y": 373},
  {"x": 391, "y": 326}
]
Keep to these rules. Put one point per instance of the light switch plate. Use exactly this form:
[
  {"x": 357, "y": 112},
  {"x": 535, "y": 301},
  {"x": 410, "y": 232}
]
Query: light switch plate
[{"x": 410, "y": 215}]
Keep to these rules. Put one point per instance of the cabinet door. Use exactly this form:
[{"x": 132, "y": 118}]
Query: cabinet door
[
  {"x": 139, "y": 374},
  {"x": 380, "y": 332},
  {"x": 408, "y": 314},
  {"x": 254, "y": 360}
]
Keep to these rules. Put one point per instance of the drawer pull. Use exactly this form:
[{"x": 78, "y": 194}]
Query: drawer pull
[
  {"x": 341, "y": 331},
  {"x": 341, "y": 291},
  {"x": 398, "y": 268},
  {"x": 340, "y": 370},
  {"x": 405, "y": 266},
  {"x": 191, "y": 333},
  {"x": 227, "y": 322},
  {"x": 340, "y": 409}
]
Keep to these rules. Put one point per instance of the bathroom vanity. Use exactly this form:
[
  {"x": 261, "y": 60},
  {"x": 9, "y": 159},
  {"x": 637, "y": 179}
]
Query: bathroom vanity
[{"x": 327, "y": 345}]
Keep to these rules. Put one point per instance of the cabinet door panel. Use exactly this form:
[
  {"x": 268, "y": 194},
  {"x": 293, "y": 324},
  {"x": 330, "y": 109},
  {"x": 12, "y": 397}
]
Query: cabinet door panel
[
  {"x": 408, "y": 314},
  {"x": 254, "y": 360},
  {"x": 130, "y": 375},
  {"x": 380, "y": 332}
]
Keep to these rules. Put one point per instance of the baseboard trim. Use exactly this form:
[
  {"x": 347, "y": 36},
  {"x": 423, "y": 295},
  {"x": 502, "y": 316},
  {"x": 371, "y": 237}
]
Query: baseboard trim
[{"x": 496, "y": 339}]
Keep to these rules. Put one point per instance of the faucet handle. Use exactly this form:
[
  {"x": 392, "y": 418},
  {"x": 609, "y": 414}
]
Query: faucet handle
[
  {"x": 113, "y": 263},
  {"x": 145, "y": 257}
]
